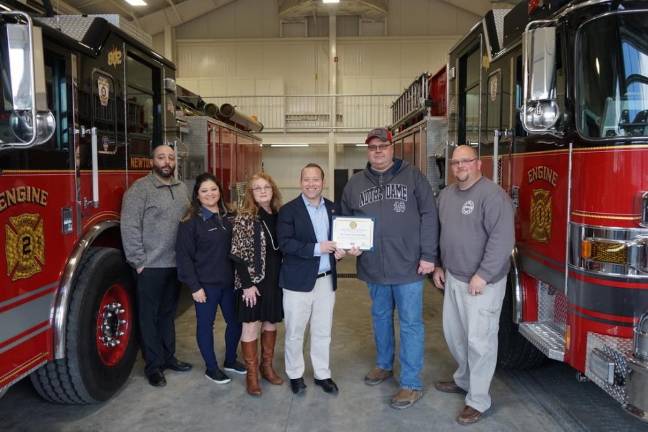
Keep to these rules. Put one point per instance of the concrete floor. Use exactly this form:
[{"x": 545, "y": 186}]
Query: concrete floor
[{"x": 547, "y": 399}]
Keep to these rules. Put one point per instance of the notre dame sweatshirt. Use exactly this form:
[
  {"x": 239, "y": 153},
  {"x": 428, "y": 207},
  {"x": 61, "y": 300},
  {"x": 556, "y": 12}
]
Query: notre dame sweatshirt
[{"x": 406, "y": 228}]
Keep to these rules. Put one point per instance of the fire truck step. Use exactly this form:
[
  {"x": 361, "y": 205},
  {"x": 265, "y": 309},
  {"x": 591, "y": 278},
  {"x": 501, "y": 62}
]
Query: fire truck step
[{"x": 548, "y": 337}]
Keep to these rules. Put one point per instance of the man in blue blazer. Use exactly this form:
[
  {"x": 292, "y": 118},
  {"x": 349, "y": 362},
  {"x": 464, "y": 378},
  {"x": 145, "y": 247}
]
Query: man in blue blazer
[{"x": 308, "y": 279}]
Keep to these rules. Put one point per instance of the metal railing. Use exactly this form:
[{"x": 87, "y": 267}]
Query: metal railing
[{"x": 314, "y": 112}]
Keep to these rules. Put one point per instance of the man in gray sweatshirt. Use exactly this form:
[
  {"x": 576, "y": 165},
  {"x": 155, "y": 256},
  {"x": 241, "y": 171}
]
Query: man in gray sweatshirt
[
  {"x": 400, "y": 200},
  {"x": 477, "y": 238},
  {"x": 151, "y": 211}
]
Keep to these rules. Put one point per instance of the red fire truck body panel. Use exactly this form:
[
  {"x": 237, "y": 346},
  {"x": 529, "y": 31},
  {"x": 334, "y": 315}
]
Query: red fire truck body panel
[{"x": 599, "y": 201}]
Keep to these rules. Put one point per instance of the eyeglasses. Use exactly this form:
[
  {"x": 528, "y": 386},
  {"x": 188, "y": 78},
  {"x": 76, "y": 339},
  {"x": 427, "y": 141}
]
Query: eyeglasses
[
  {"x": 373, "y": 147},
  {"x": 261, "y": 188},
  {"x": 461, "y": 162}
]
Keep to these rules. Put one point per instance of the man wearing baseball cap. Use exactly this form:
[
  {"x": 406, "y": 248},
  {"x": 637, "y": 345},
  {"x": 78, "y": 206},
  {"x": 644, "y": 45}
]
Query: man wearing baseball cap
[{"x": 400, "y": 200}]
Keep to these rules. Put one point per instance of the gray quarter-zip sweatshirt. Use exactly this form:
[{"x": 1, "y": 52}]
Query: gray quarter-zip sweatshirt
[
  {"x": 477, "y": 231},
  {"x": 151, "y": 212},
  {"x": 406, "y": 226}
]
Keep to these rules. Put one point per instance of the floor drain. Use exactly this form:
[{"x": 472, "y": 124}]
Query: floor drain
[{"x": 347, "y": 275}]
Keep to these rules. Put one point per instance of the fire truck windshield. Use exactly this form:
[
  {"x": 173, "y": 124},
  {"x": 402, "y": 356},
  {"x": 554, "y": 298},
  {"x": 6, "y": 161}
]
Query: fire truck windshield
[{"x": 612, "y": 76}]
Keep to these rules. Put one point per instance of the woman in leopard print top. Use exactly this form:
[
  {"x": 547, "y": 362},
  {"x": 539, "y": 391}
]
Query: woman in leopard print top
[{"x": 256, "y": 256}]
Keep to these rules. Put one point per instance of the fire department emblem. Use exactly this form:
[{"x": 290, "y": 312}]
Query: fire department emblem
[
  {"x": 103, "y": 88},
  {"x": 24, "y": 246},
  {"x": 467, "y": 207},
  {"x": 541, "y": 215}
]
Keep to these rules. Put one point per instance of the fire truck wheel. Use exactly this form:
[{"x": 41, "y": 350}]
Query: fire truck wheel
[
  {"x": 514, "y": 351},
  {"x": 100, "y": 336}
]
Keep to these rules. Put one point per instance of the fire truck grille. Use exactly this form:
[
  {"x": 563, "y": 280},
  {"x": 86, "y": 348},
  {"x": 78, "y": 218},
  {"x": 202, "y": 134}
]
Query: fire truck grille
[{"x": 610, "y": 252}]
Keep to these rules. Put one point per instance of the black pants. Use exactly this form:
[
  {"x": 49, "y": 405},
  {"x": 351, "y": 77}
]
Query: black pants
[{"x": 157, "y": 299}]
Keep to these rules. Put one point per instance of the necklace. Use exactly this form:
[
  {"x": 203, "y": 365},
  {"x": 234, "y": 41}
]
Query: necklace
[{"x": 276, "y": 248}]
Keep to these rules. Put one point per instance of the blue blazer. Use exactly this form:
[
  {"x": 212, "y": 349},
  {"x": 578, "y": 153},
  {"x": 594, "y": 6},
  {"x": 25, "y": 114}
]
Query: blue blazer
[{"x": 297, "y": 240}]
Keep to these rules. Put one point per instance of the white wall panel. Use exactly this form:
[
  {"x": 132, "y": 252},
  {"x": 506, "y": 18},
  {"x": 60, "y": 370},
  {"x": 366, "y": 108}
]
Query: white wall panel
[
  {"x": 389, "y": 64},
  {"x": 365, "y": 66},
  {"x": 302, "y": 63},
  {"x": 426, "y": 18},
  {"x": 240, "y": 19},
  {"x": 285, "y": 163}
]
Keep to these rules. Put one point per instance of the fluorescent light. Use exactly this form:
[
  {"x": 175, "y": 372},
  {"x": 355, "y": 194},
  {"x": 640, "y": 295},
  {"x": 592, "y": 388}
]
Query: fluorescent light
[
  {"x": 288, "y": 145},
  {"x": 361, "y": 145},
  {"x": 330, "y": 1},
  {"x": 136, "y": 2}
]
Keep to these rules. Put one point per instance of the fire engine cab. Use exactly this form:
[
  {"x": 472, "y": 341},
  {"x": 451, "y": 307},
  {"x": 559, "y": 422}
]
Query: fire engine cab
[
  {"x": 554, "y": 95},
  {"x": 83, "y": 104}
]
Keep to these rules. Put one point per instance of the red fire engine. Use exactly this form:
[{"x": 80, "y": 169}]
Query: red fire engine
[
  {"x": 84, "y": 102},
  {"x": 420, "y": 126},
  {"x": 220, "y": 141},
  {"x": 554, "y": 95}
]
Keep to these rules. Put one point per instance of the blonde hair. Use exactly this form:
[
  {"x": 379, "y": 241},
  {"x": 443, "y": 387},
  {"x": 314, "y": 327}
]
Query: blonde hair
[{"x": 250, "y": 206}]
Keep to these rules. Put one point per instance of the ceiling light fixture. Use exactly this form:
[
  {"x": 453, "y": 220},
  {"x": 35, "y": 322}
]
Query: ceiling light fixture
[
  {"x": 330, "y": 1},
  {"x": 288, "y": 145},
  {"x": 136, "y": 2}
]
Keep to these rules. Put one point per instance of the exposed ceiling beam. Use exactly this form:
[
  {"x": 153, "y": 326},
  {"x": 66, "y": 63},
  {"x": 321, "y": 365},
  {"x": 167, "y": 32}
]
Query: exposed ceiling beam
[
  {"x": 186, "y": 11},
  {"x": 175, "y": 10}
]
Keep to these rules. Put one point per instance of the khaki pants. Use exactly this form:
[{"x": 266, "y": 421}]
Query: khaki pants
[
  {"x": 299, "y": 308},
  {"x": 470, "y": 327}
]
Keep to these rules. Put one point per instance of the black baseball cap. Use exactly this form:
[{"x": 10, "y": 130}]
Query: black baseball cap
[{"x": 382, "y": 134}]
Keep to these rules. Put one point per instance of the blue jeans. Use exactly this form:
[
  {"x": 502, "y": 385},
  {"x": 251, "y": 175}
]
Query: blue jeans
[
  {"x": 206, "y": 314},
  {"x": 408, "y": 299}
]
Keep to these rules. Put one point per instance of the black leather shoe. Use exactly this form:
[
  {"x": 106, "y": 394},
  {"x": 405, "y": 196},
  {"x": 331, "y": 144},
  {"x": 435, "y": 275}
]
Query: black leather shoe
[
  {"x": 156, "y": 379},
  {"x": 178, "y": 366},
  {"x": 298, "y": 386},
  {"x": 328, "y": 385}
]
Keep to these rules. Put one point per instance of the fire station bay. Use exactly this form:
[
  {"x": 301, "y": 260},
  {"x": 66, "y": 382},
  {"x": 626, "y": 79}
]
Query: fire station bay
[{"x": 323, "y": 215}]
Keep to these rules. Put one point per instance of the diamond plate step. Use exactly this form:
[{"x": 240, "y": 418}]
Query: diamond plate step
[{"x": 548, "y": 337}]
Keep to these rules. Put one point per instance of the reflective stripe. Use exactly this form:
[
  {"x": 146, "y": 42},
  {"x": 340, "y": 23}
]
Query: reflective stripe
[
  {"x": 38, "y": 330},
  {"x": 26, "y": 316},
  {"x": 27, "y": 294}
]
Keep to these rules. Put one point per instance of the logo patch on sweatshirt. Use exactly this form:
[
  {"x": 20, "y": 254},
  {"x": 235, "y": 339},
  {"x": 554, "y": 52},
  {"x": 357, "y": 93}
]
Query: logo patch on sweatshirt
[
  {"x": 399, "y": 207},
  {"x": 388, "y": 191},
  {"x": 468, "y": 207}
]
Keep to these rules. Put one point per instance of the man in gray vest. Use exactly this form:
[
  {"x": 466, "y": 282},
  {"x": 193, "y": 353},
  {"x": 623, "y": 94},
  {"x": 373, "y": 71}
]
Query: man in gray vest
[
  {"x": 151, "y": 211},
  {"x": 477, "y": 238}
]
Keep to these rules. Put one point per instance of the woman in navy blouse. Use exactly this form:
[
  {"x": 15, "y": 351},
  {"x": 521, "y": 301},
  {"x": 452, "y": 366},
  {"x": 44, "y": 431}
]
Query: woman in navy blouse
[{"x": 202, "y": 256}]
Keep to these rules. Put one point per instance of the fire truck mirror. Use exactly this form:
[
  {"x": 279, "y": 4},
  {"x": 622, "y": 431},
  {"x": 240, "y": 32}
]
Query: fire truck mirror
[
  {"x": 28, "y": 121},
  {"x": 540, "y": 111}
]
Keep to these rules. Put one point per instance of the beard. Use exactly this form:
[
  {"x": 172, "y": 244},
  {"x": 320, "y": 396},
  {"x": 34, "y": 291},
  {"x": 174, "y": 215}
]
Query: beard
[{"x": 165, "y": 171}]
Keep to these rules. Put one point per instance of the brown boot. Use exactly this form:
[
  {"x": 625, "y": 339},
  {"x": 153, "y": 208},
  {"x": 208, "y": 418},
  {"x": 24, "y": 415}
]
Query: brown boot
[
  {"x": 268, "y": 340},
  {"x": 249, "y": 350}
]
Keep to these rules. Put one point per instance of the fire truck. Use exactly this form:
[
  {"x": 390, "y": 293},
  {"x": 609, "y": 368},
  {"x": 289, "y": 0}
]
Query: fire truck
[
  {"x": 220, "y": 140},
  {"x": 84, "y": 102},
  {"x": 420, "y": 127},
  {"x": 554, "y": 95}
]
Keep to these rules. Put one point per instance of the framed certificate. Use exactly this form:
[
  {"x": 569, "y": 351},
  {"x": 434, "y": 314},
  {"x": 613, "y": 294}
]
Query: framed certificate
[{"x": 353, "y": 231}]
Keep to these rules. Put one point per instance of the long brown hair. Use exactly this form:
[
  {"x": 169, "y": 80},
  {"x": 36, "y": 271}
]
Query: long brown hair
[
  {"x": 250, "y": 206},
  {"x": 194, "y": 209}
]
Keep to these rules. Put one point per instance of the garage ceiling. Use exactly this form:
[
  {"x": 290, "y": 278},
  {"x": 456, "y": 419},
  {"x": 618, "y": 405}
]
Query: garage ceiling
[{"x": 157, "y": 14}]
